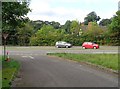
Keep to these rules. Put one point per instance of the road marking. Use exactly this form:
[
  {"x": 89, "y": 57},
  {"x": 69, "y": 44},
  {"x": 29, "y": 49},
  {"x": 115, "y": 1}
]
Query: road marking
[
  {"x": 28, "y": 54},
  {"x": 31, "y": 57},
  {"x": 24, "y": 56},
  {"x": 28, "y": 57},
  {"x": 105, "y": 52}
]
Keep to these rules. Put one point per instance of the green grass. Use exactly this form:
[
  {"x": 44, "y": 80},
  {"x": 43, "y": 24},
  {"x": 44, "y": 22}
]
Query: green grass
[
  {"x": 9, "y": 69},
  {"x": 105, "y": 60},
  {"x": 0, "y": 72},
  {"x": 0, "y": 79}
]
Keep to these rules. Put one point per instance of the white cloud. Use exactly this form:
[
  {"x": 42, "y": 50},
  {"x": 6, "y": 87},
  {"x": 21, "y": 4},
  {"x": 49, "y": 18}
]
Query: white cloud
[
  {"x": 43, "y": 10},
  {"x": 59, "y": 14}
]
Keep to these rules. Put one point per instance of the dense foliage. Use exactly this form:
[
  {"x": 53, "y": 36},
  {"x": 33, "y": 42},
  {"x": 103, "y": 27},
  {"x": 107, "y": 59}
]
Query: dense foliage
[
  {"x": 114, "y": 29},
  {"x": 91, "y": 17},
  {"x": 105, "y": 22},
  {"x": 13, "y": 16},
  {"x": 72, "y": 32},
  {"x": 22, "y": 31}
]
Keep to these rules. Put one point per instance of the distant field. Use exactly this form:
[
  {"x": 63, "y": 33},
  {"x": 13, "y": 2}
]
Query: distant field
[{"x": 105, "y": 60}]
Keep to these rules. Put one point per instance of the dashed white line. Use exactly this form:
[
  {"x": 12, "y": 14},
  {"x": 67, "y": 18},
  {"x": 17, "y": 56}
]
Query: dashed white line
[
  {"x": 24, "y": 56},
  {"x": 28, "y": 57},
  {"x": 31, "y": 57}
]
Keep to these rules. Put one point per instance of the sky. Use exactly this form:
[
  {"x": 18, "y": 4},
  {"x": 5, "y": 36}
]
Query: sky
[{"x": 63, "y": 10}]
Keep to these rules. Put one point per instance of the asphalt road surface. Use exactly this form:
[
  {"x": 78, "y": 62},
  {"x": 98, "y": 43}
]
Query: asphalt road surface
[
  {"x": 39, "y": 70},
  {"x": 42, "y": 50},
  {"x": 46, "y": 71}
]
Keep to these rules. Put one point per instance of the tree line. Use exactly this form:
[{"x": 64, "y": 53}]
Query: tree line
[{"x": 23, "y": 31}]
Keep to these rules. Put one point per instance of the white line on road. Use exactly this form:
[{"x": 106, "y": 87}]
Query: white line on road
[
  {"x": 106, "y": 52},
  {"x": 31, "y": 57},
  {"x": 28, "y": 57},
  {"x": 24, "y": 56}
]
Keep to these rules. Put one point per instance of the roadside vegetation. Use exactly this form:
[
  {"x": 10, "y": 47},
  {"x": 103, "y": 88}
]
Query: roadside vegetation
[
  {"x": 0, "y": 71},
  {"x": 106, "y": 60},
  {"x": 25, "y": 32},
  {"x": 9, "y": 69}
]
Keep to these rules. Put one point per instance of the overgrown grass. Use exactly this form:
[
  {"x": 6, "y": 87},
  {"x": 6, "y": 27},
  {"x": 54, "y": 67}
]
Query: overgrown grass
[
  {"x": 0, "y": 79},
  {"x": 0, "y": 72},
  {"x": 9, "y": 69},
  {"x": 105, "y": 60}
]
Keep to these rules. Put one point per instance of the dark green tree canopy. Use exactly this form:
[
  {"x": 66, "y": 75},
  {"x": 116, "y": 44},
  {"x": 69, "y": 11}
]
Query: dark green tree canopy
[
  {"x": 105, "y": 22},
  {"x": 115, "y": 25},
  {"x": 115, "y": 29},
  {"x": 91, "y": 17},
  {"x": 67, "y": 26},
  {"x": 56, "y": 25},
  {"x": 14, "y": 14}
]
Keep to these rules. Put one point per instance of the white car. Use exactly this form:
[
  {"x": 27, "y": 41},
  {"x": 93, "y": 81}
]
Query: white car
[{"x": 63, "y": 44}]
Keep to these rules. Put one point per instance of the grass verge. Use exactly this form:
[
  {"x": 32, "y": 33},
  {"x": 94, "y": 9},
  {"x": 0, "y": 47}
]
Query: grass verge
[
  {"x": 9, "y": 69},
  {"x": 105, "y": 60}
]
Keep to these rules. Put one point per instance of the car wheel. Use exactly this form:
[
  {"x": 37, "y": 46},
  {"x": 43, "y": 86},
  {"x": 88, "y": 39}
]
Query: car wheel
[
  {"x": 94, "y": 47},
  {"x": 57, "y": 46},
  {"x": 67, "y": 46},
  {"x": 83, "y": 47}
]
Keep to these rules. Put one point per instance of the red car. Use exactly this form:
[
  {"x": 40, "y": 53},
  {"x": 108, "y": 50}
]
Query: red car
[{"x": 90, "y": 45}]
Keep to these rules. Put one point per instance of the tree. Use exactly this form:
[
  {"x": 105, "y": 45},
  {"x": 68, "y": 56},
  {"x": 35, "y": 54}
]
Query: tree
[
  {"x": 45, "y": 30},
  {"x": 24, "y": 34},
  {"x": 37, "y": 25},
  {"x": 91, "y": 17},
  {"x": 56, "y": 25},
  {"x": 115, "y": 29},
  {"x": 93, "y": 33},
  {"x": 13, "y": 15},
  {"x": 105, "y": 22},
  {"x": 75, "y": 27},
  {"x": 67, "y": 26},
  {"x": 0, "y": 15}
]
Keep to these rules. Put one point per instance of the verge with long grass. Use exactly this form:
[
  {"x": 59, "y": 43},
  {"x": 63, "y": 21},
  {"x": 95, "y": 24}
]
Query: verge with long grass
[
  {"x": 106, "y": 60},
  {"x": 9, "y": 69}
]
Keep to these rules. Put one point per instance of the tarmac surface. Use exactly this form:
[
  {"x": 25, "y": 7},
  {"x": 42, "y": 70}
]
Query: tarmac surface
[
  {"x": 46, "y": 71},
  {"x": 39, "y": 70}
]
